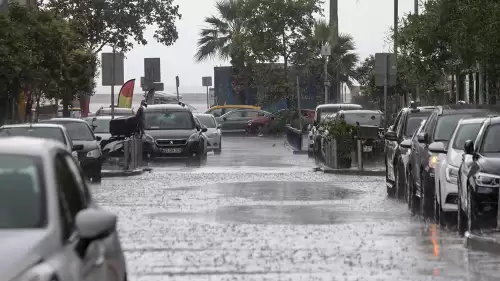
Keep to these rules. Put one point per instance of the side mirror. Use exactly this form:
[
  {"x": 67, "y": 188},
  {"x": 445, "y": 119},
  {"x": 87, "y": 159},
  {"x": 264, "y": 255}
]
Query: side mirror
[
  {"x": 94, "y": 224},
  {"x": 405, "y": 144},
  {"x": 391, "y": 135},
  {"x": 204, "y": 129},
  {"x": 98, "y": 138},
  {"x": 469, "y": 147},
  {"x": 219, "y": 126},
  {"x": 77, "y": 147},
  {"x": 423, "y": 137},
  {"x": 437, "y": 147}
]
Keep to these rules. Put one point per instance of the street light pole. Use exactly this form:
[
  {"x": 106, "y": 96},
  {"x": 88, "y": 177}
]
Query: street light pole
[
  {"x": 417, "y": 88},
  {"x": 325, "y": 52}
]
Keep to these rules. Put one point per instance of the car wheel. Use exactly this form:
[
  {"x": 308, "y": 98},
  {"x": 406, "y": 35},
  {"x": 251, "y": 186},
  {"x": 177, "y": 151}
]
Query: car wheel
[
  {"x": 437, "y": 211},
  {"x": 399, "y": 181},
  {"x": 461, "y": 216},
  {"x": 391, "y": 188},
  {"x": 471, "y": 212},
  {"x": 414, "y": 202},
  {"x": 426, "y": 200},
  {"x": 218, "y": 151},
  {"x": 97, "y": 178}
]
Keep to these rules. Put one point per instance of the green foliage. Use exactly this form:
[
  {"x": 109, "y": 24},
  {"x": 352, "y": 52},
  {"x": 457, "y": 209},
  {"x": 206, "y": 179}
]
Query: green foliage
[
  {"x": 345, "y": 135},
  {"x": 119, "y": 23}
]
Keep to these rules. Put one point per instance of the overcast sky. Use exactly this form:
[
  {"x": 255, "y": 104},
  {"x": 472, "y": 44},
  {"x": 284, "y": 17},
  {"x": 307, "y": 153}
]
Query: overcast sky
[{"x": 368, "y": 21}]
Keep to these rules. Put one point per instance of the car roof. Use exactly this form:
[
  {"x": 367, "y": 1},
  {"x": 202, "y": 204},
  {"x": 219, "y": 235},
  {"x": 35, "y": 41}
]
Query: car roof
[
  {"x": 76, "y": 120},
  {"x": 116, "y": 109},
  {"x": 28, "y": 145},
  {"x": 235, "y": 106},
  {"x": 34, "y": 125},
  {"x": 477, "y": 120},
  {"x": 354, "y": 111},
  {"x": 105, "y": 117},
  {"x": 167, "y": 106},
  {"x": 204, "y": 114},
  {"x": 466, "y": 108},
  {"x": 339, "y": 105},
  {"x": 495, "y": 120}
]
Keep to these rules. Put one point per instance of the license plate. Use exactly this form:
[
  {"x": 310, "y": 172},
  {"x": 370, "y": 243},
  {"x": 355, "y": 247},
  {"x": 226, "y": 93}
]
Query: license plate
[
  {"x": 171, "y": 150},
  {"x": 367, "y": 149}
]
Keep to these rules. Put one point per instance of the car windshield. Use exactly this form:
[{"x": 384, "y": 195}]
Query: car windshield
[
  {"x": 170, "y": 120},
  {"x": 36, "y": 132},
  {"x": 490, "y": 142},
  {"x": 22, "y": 202},
  {"x": 446, "y": 125},
  {"x": 413, "y": 124},
  {"x": 464, "y": 133},
  {"x": 101, "y": 126},
  {"x": 207, "y": 121},
  {"x": 78, "y": 131}
]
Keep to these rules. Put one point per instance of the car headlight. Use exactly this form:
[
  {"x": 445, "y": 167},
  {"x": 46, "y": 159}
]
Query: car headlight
[
  {"x": 433, "y": 160},
  {"x": 451, "y": 174},
  {"x": 194, "y": 137},
  {"x": 213, "y": 135},
  {"x": 40, "y": 272},
  {"x": 148, "y": 138},
  {"x": 487, "y": 180},
  {"x": 94, "y": 153}
]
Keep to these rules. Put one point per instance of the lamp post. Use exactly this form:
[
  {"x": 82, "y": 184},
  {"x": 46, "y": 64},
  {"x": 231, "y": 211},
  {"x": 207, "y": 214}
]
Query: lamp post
[{"x": 326, "y": 52}]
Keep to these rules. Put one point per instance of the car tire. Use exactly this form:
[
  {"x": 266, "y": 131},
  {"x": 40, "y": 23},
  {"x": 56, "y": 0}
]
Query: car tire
[
  {"x": 218, "y": 151},
  {"x": 472, "y": 223},
  {"x": 414, "y": 202},
  {"x": 426, "y": 200},
  {"x": 461, "y": 216},
  {"x": 398, "y": 182},
  {"x": 97, "y": 178}
]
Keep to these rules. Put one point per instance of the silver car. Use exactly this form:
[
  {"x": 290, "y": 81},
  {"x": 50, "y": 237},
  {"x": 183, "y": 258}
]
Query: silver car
[
  {"x": 50, "y": 227},
  {"x": 213, "y": 133}
]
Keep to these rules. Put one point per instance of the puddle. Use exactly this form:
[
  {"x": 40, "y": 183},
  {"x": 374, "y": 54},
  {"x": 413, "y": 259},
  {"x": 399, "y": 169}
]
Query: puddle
[{"x": 285, "y": 191}]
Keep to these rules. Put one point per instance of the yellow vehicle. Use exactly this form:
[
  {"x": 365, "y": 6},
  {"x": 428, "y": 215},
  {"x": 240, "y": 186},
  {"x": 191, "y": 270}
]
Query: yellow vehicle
[{"x": 219, "y": 110}]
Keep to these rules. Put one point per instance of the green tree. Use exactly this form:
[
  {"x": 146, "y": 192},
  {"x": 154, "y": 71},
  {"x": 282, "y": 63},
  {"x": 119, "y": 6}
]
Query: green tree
[{"x": 118, "y": 23}]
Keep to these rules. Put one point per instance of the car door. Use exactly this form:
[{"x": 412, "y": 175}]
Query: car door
[
  {"x": 72, "y": 199},
  {"x": 249, "y": 115},
  {"x": 231, "y": 120},
  {"x": 422, "y": 149},
  {"x": 390, "y": 149}
]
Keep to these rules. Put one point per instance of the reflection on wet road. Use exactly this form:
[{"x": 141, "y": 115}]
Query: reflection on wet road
[{"x": 258, "y": 212}]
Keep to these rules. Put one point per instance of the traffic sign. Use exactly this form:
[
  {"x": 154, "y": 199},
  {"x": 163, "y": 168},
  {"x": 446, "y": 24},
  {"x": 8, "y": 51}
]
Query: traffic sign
[
  {"x": 385, "y": 67},
  {"x": 152, "y": 69},
  {"x": 206, "y": 81},
  {"x": 107, "y": 69}
]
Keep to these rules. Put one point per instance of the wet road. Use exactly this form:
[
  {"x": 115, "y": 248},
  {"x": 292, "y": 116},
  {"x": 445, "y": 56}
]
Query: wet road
[{"x": 258, "y": 212}]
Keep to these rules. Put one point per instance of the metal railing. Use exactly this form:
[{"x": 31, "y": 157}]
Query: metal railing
[
  {"x": 294, "y": 137},
  {"x": 132, "y": 148}
]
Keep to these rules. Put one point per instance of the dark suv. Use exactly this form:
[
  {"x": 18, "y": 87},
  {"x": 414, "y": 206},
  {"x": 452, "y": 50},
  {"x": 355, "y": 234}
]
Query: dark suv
[
  {"x": 479, "y": 177},
  {"x": 407, "y": 121},
  {"x": 439, "y": 127},
  {"x": 171, "y": 131}
]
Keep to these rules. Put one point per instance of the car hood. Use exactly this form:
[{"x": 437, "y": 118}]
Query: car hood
[
  {"x": 211, "y": 131},
  {"x": 455, "y": 156},
  {"x": 19, "y": 250},
  {"x": 170, "y": 134},
  {"x": 104, "y": 136},
  {"x": 87, "y": 145},
  {"x": 490, "y": 163}
]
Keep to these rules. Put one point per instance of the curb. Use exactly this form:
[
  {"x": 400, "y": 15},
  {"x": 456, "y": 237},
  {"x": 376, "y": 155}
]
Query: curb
[
  {"x": 489, "y": 242},
  {"x": 121, "y": 173},
  {"x": 300, "y": 152},
  {"x": 352, "y": 172}
]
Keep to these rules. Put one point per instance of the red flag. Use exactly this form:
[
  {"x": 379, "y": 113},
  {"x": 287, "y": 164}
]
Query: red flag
[{"x": 126, "y": 94}]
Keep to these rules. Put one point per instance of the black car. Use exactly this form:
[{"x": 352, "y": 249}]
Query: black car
[
  {"x": 479, "y": 177},
  {"x": 171, "y": 131},
  {"x": 439, "y": 127},
  {"x": 90, "y": 155},
  {"x": 407, "y": 121}
]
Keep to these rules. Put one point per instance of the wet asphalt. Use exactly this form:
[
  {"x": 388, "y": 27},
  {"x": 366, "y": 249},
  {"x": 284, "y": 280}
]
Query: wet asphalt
[{"x": 258, "y": 212}]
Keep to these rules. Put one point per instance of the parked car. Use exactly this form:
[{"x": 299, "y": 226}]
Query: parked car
[
  {"x": 100, "y": 126},
  {"x": 439, "y": 127},
  {"x": 237, "y": 120},
  {"x": 213, "y": 133},
  {"x": 90, "y": 154},
  {"x": 219, "y": 110},
  {"x": 51, "y": 227},
  {"x": 316, "y": 130},
  {"x": 171, "y": 131},
  {"x": 118, "y": 111},
  {"x": 446, "y": 170},
  {"x": 479, "y": 177},
  {"x": 407, "y": 121}
]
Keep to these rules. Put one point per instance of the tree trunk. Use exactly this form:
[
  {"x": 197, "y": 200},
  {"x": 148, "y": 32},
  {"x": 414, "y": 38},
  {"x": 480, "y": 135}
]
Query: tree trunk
[{"x": 66, "y": 108}]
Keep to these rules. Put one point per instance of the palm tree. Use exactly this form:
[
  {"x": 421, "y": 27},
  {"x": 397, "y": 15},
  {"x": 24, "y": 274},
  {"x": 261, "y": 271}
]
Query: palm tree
[
  {"x": 223, "y": 38},
  {"x": 342, "y": 57}
]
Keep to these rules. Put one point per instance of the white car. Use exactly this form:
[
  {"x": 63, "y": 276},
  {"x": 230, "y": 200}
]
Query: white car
[
  {"x": 213, "y": 133},
  {"x": 447, "y": 169},
  {"x": 50, "y": 227}
]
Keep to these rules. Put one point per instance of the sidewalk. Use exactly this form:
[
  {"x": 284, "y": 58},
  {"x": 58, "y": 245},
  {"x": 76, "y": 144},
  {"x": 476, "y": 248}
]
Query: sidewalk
[
  {"x": 124, "y": 173},
  {"x": 370, "y": 168},
  {"x": 305, "y": 144},
  {"x": 485, "y": 240}
]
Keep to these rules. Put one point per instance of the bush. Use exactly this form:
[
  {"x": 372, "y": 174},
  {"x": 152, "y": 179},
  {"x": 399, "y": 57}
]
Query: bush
[{"x": 345, "y": 135}]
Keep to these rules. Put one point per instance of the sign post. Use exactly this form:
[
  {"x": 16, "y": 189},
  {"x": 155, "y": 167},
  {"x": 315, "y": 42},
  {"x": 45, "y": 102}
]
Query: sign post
[
  {"x": 326, "y": 51},
  {"x": 177, "y": 83},
  {"x": 385, "y": 75},
  {"x": 207, "y": 82},
  {"x": 112, "y": 73}
]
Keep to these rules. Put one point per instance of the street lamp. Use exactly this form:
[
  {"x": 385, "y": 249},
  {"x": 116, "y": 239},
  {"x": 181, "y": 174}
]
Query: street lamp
[{"x": 326, "y": 51}]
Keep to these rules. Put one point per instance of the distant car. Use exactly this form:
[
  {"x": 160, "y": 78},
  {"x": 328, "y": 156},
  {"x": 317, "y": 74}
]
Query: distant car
[
  {"x": 171, "y": 131},
  {"x": 90, "y": 155},
  {"x": 479, "y": 177},
  {"x": 237, "y": 120},
  {"x": 50, "y": 226},
  {"x": 100, "y": 126},
  {"x": 118, "y": 111},
  {"x": 446, "y": 170},
  {"x": 219, "y": 110},
  {"x": 214, "y": 134}
]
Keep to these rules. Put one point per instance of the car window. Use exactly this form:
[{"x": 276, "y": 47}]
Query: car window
[
  {"x": 396, "y": 122},
  {"x": 197, "y": 121},
  {"x": 79, "y": 131},
  {"x": 412, "y": 124},
  {"x": 71, "y": 200},
  {"x": 215, "y": 112},
  {"x": 101, "y": 125},
  {"x": 22, "y": 192},
  {"x": 446, "y": 125},
  {"x": 236, "y": 114},
  {"x": 490, "y": 142},
  {"x": 169, "y": 120},
  {"x": 464, "y": 133},
  {"x": 36, "y": 132},
  {"x": 402, "y": 121},
  {"x": 207, "y": 121},
  {"x": 79, "y": 178}
]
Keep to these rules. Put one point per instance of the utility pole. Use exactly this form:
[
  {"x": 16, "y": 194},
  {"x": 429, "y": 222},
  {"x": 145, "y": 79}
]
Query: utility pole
[
  {"x": 334, "y": 24},
  {"x": 416, "y": 96}
]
